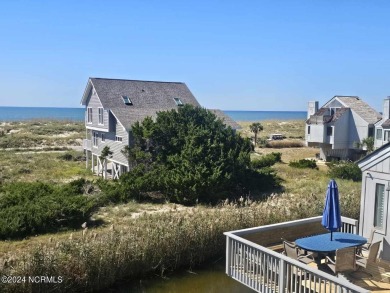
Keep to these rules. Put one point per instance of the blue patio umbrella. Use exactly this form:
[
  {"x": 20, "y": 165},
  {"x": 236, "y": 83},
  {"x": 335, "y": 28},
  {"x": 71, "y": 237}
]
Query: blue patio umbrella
[{"x": 331, "y": 217}]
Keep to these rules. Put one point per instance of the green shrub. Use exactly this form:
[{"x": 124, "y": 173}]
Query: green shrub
[
  {"x": 267, "y": 160},
  {"x": 34, "y": 208},
  {"x": 345, "y": 170},
  {"x": 304, "y": 163}
]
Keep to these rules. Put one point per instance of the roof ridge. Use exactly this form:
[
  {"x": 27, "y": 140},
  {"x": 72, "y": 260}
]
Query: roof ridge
[{"x": 104, "y": 78}]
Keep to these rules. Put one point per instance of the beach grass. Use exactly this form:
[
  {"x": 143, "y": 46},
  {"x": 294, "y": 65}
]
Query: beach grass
[{"x": 136, "y": 239}]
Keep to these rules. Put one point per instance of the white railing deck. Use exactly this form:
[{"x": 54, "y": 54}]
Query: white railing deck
[{"x": 265, "y": 270}]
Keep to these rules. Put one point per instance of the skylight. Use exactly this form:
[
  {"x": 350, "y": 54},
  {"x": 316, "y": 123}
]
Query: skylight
[
  {"x": 127, "y": 100},
  {"x": 178, "y": 102}
]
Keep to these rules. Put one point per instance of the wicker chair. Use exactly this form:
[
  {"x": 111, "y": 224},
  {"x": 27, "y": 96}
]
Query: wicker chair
[
  {"x": 291, "y": 250},
  {"x": 345, "y": 260},
  {"x": 366, "y": 247},
  {"x": 362, "y": 261}
]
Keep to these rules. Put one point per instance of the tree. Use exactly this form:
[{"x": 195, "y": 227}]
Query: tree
[
  {"x": 106, "y": 152},
  {"x": 256, "y": 127},
  {"x": 193, "y": 156},
  {"x": 368, "y": 142}
]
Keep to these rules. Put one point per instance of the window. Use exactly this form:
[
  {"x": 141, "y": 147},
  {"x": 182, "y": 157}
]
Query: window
[
  {"x": 103, "y": 138},
  {"x": 329, "y": 131},
  {"x": 308, "y": 129},
  {"x": 379, "y": 134},
  {"x": 118, "y": 138},
  {"x": 371, "y": 132},
  {"x": 379, "y": 205},
  {"x": 178, "y": 102},
  {"x": 127, "y": 100},
  {"x": 387, "y": 135},
  {"x": 101, "y": 116},
  {"x": 95, "y": 139},
  {"x": 89, "y": 115}
]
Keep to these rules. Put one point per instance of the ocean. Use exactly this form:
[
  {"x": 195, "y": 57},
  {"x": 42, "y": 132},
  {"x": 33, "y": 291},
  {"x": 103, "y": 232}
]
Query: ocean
[{"x": 77, "y": 114}]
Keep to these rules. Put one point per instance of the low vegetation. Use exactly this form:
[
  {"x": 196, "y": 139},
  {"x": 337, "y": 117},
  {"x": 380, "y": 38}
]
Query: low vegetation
[
  {"x": 125, "y": 246},
  {"x": 35, "y": 208},
  {"x": 267, "y": 160},
  {"x": 345, "y": 170},
  {"x": 152, "y": 243},
  {"x": 37, "y": 134},
  {"x": 277, "y": 144},
  {"x": 304, "y": 163}
]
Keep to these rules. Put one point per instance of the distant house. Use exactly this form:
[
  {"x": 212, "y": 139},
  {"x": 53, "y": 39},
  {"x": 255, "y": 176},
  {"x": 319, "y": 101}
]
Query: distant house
[
  {"x": 375, "y": 201},
  {"x": 339, "y": 125},
  {"x": 112, "y": 106},
  {"x": 382, "y": 127}
]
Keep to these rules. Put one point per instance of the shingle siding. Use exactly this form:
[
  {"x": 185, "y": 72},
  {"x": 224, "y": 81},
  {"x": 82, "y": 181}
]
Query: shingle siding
[{"x": 94, "y": 103}]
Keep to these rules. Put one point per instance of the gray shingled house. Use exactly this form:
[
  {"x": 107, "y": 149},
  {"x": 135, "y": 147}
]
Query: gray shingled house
[
  {"x": 339, "y": 125},
  {"x": 112, "y": 106}
]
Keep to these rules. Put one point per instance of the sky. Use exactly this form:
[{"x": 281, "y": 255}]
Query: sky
[{"x": 260, "y": 55}]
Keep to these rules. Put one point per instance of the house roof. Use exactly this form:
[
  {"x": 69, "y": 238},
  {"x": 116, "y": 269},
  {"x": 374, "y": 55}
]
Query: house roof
[
  {"x": 225, "y": 118},
  {"x": 361, "y": 108},
  {"x": 147, "y": 97},
  {"x": 386, "y": 123},
  {"x": 349, "y": 102},
  {"x": 323, "y": 112},
  {"x": 374, "y": 157},
  {"x": 143, "y": 94}
]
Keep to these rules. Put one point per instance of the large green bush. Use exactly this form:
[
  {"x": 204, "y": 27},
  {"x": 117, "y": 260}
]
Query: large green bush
[
  {"x": 189, "y": 155},
  {"x": 345, "y": 170},
  {"x": 34, "y": 208}
]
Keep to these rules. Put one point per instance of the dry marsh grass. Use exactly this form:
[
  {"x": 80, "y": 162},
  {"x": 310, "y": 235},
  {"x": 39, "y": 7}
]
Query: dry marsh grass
[
  {"x": 152, "y": 243},
  {"x": 290, "y": 129}
]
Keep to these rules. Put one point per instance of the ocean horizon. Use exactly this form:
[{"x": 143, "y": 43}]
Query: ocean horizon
[{"x": 9, "y": 114}]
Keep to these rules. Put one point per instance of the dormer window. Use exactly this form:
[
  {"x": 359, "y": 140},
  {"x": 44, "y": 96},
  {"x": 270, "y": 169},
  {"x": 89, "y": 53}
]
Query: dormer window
[
  {"x": 127, "y": 100},
  {"x": 178, "y": 102}
]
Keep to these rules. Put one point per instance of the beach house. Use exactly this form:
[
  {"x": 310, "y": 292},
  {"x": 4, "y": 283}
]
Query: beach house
[
  {"x": 339, "y": 127},
  {"x": 112, "y": 106},
  {"x": 382, "y": 127},
  {"x": 375, "y": 202}
]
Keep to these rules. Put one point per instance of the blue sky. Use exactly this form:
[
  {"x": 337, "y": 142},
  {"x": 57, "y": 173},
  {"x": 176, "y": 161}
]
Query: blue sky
[{"x": 233, "y": 55}]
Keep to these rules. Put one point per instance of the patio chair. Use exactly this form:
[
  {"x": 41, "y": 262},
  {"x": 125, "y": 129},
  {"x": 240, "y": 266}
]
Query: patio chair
[
  {"x": 366, "y": 247},
  {"x": 345, "y": 260},
  {"x": 362, "y": 261},
  {"x": 291, "y": 250}
]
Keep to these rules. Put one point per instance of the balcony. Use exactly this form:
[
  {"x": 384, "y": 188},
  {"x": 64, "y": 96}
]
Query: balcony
[
  {"x": 253, "y": 258},
  {"x": 87, "y": 144}
]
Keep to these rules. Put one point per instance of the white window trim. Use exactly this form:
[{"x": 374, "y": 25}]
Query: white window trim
[
  {"x": 117, "y": 136},
  {"x": 384, "y": 212},
  {"x": 88, "y": 120},
  {"x": 95, "y": 138},
  {"x": 100, "y": 108}
]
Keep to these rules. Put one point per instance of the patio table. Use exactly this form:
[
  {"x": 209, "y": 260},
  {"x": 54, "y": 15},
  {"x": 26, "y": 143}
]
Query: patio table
[{"x": 322, "y": 243}]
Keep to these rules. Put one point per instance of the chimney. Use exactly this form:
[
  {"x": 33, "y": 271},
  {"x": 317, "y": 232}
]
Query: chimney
[
  {"x": 312, "y": 108},
  {"x": 386, "y": 109}
]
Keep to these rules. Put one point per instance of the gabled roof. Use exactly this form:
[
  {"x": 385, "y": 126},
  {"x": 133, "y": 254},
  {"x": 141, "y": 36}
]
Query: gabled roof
[
  {"x": 143, "y": 94},
  {"x": 375, "y": 157},
  {"x": 361, "y": 108},
  {"x": 147, "y": 98},
  {"x": 354, "y": 103},
  {"x": 386, "y": 123},
  {"x": 228, "y": 121},
  {"x": 326, "y": 118}
]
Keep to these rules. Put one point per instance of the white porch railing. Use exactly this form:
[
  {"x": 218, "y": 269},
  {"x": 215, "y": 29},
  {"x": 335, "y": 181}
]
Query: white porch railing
[
  {"x": 87, "y": 144},
  {"x": 265, "y": 270}
]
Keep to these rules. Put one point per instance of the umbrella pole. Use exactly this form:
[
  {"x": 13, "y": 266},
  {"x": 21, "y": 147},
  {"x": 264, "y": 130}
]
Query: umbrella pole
[{"x": 331, "y": 235}]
